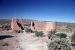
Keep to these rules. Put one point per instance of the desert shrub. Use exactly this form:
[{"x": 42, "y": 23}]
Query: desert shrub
[
  {"x": 59, "y": 44},
  {"x": 38, "y": 34},
  {"x": 18, "y": 31},
  {"x": 73, "y": 37},
  {"x": 61, "y": 35},
  {"x": 51, "y": 33},
  {"x": 6, "y": 27},
  {"x": 29, "y": 30}
]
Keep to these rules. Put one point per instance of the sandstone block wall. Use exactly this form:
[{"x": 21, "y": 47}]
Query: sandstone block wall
[
  {"x": 43, "y": 26},
  {"x": 22, "y": 22},
  {"x": 14, "y": 25},
  {"x": 39, "y": 25}
]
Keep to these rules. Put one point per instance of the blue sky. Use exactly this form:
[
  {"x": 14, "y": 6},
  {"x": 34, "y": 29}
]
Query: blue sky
[{"x": 45, "y": 10}]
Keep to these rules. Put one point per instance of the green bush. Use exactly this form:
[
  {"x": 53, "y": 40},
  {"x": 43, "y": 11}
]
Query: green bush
[
  {"x": 51, "y": 33},
  {"x": 73, "y": 37},
  {"x": 6, "y": 27},
  {"x": 58, "y": 41},
  {"x": 59, "y": 44},
  {"x": 29, "y": 30},
  {"x": 62, "y": 35},
  {"x": 38, "y": 34}
]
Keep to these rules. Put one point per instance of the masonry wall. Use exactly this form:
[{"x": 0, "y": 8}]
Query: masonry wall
[
  {"x": 38, "y": 25},
  {"x": 24, "y": 23},
  {"x": 43, "y": 26},
  {"x": 14, "y": 25}
]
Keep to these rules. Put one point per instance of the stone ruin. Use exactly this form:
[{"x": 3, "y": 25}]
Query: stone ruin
[
  {"x": 42, "y": 26},
  {"x": 23, "y": 24},
  {"x": 19, "y": 24}
]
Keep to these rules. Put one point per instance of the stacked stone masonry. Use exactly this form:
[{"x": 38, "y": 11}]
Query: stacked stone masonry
[{"x": 38, "y": 25}]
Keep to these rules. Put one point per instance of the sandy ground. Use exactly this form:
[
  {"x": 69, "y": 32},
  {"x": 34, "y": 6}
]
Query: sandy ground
[
  {"x": 30, "y": 42},
  {"x": 23, "y": 41}
]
